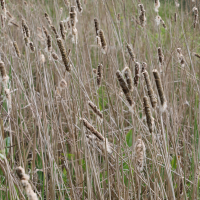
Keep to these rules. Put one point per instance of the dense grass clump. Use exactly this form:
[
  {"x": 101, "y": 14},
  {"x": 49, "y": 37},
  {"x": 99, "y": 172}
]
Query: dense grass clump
[{"x": 99, "y": 99}]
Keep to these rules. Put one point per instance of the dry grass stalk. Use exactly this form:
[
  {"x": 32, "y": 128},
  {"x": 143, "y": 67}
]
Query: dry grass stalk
[
  {"x": 160, "y": 90},
  {"x": 128, "y": 77},
  {"x": 78, "y": 3},
  {"x": 95, "y": 109},
  {"x": 24, "y": 178},
  {"x": 137, "y": 73},
  {"x": 150, "y": 89},
  {"x": 149, "y": 118},
  {"x": 125, "y": 88},
  {"x": 99, "y": 74},
  {"x": 64, "y": 54},
  {"x": 140, "y": 154},
  {"x": 142, "y": 16},
  {"x": 16, "y": 49},
  {"x": 131, "y": 53}
]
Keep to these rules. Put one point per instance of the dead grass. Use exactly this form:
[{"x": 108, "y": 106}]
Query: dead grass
[{"x": 113, "y": 147}]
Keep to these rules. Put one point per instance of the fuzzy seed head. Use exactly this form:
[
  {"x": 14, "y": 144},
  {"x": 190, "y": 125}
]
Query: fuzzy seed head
[
  {"x": 131, "y": 53},
  {"x": 64, "y": 55},
  {"x": 148, "y": 114},
  {"x": 96, "y": 25},
  {"x": 128, "y": 77},
  {"x": 150, "y": 89},
  {"x": 160, "y": 90},
  {"x": 140, "y": 154},
  {"x": 78, "y": 3},
  {"x": 99, "y": 74},
  {"x": 137, "y": 73},
  {"x": 16, "y": 49},
  {"x": 103, "y": 41}
]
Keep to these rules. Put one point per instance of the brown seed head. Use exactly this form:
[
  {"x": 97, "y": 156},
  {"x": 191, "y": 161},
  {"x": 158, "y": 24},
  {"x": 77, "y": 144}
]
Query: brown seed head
[
  {"x": 150, "y": 89},
  {"x": 160, "y": 56},
  {"x": 54, "y": 30},
  {"x": 64, "y": 55},
  {"x": 137, "y": 73},
  {"x": 2, "y": 69},
  {"x": 160, "y": 89},
  {"x": 25, "y": 29},
  {"x": 124, "y": 88},
  {"x": 54, "y": 56},
  {"x": 142, "y": 16},
  {"x": 99, "y": 74},
  {"x": 48, "y": 18},
  {"x": 49, "y": 43},
  {"x": 103, "y": 41},
  {"x": 78, "y": 3},
  {"x": 3, "y": 4},
  {"x": 95, "y": 109},
  {"x": 73, "y": 16},
  {"x": 62, "y": 30},
  {"x": 96, "y": 25},
  {"x": 16, "y": 49},
  {"x": 92, "y": 129},
  {"x": 131, "y": 53},
  {"x": 149, "y": 117},
  {"x": 129, "y": 79},
  {"x": 31, "y": 46}
]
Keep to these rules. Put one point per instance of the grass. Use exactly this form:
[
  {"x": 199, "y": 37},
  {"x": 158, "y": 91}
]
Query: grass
[{"x": 43, "y": 131}]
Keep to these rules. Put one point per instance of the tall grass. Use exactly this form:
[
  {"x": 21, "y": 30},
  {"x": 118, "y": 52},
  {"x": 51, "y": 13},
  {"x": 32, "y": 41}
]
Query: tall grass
[{"x": 99, "y": 100}]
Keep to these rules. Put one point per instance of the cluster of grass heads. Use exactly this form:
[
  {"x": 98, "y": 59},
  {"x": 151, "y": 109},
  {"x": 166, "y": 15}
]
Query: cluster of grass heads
[{"x": 43, "y": 130}]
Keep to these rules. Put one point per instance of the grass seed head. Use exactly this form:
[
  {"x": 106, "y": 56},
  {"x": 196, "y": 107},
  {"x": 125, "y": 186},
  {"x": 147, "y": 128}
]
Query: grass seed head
[
  {"x": 149, "y": 118},
  {"x": 63, "y": 52},
  {"x": 150, "y": 89},
  {"x": 103, "y": 41},
  {"x": 160, "y": 90},
  {"x": 128, "y": 77},
  {"x": 131, "y": 53},
  {"x": 16, "y": 49}
]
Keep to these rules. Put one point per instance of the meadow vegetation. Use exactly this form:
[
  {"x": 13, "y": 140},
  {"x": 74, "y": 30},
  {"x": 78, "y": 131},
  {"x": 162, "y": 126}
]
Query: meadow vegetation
[{"x": 99, "y": 99}]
